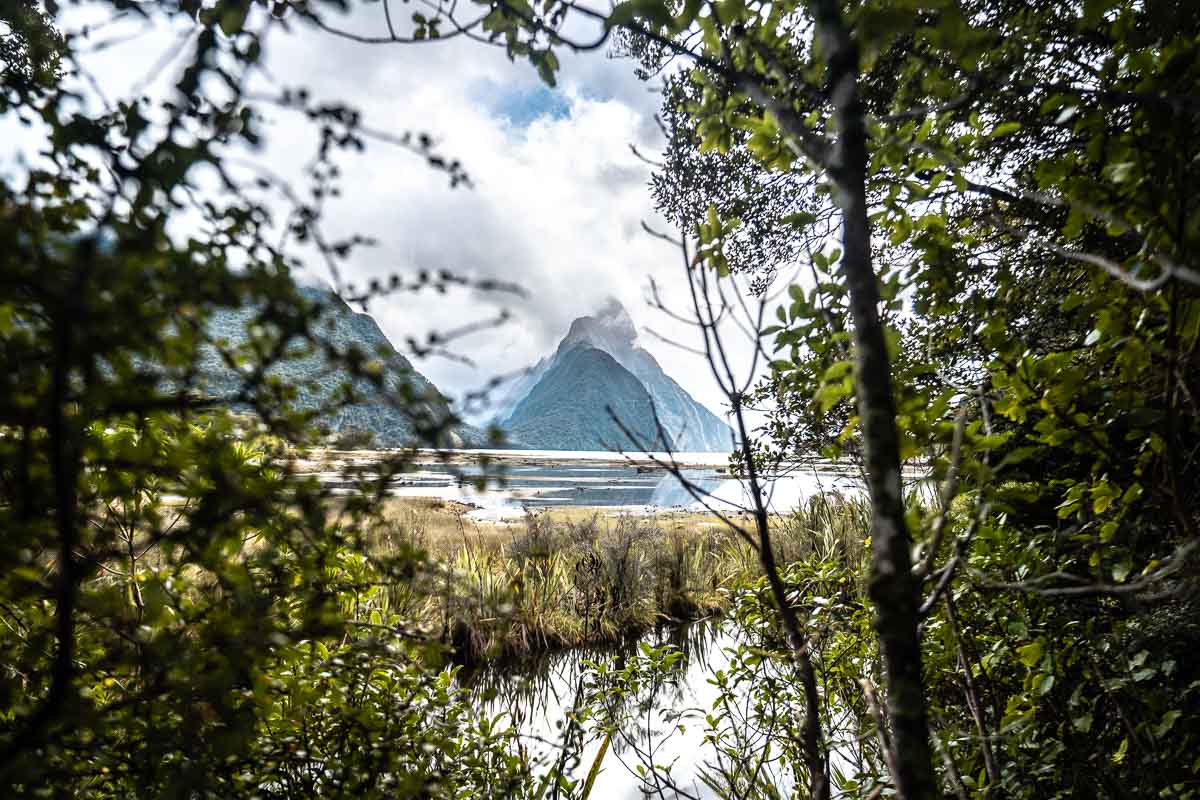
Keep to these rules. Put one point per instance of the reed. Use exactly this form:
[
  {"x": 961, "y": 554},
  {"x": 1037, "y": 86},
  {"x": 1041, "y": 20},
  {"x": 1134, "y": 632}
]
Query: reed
[{"x": 554, "y": 581}]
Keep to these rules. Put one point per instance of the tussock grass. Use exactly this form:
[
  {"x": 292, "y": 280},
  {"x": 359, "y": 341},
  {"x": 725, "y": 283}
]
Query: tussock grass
[{"x": 575, "y": 576}]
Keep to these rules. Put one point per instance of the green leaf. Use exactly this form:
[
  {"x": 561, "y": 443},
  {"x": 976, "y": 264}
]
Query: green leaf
[
  {"x": 595, "y": 770},
  {"x": 801, "y": 219},
  {"x": 233, "y": 16},
  {"x": 1030, "y": 654},
  {"x": 1168, "y": 722},
  {"x": 1122, "y": 751},
  {"x": 838, "y": 370}
]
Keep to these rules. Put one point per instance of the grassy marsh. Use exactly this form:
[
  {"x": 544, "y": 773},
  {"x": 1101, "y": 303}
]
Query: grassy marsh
[{"x": 577, "y": 576}]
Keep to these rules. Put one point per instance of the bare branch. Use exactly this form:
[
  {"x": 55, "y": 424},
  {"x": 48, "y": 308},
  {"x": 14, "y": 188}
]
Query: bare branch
[{"x": 949, "y": 492}]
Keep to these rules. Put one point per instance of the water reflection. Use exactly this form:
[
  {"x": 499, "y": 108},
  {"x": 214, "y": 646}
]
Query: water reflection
[
  {"x": 782, "y": 492},
  {"x": 661, "y": 745},
  {"x": 660, "y": 723}
]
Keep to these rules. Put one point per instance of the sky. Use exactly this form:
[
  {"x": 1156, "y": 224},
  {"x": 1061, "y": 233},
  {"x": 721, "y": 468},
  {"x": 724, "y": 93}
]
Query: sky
[{"x": 556, "y": 204}]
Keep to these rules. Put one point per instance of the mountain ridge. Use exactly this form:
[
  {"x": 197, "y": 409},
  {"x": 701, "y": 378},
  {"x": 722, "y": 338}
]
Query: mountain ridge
[
  {"x": 316, "y": 379},
  {"x": 578, "y": 402},
  {"x": 688, "y": 424}
]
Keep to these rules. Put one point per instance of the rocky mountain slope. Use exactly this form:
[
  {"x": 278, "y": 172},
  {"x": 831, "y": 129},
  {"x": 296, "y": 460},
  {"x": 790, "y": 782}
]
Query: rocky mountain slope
[
  {"x": 316, "y": 380},
  {"x": 574, "y": 404},
  {"x": 692, "y": 426}
]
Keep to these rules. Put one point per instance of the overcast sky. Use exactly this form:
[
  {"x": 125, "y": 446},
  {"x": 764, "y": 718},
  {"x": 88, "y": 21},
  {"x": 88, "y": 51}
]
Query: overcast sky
[{"x": 557, "y": 201}]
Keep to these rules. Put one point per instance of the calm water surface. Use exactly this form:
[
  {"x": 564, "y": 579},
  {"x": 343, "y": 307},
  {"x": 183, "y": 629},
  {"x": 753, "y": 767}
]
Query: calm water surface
[
  {"x": 538, "y": 479},
  {"x": 664, "y": 723}
]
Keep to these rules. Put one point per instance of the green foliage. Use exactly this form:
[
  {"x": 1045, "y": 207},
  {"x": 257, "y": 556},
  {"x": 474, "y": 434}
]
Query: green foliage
[
  {"x": 1029, "y": 174},
  {"x": 181, "y": 615},
  {"x": 224, "y": 640},
  {"x": 1082, "y": 690}
]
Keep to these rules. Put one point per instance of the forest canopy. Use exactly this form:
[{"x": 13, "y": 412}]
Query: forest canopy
[{"x": 983, "y": 213}]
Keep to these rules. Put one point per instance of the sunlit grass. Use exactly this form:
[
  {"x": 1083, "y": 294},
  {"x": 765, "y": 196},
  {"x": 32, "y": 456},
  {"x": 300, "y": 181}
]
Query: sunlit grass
[{"x": 574, "y": 576}]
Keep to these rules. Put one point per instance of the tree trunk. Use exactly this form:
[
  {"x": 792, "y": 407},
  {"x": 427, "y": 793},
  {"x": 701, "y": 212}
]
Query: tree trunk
[{"x": 893, "y": 587}]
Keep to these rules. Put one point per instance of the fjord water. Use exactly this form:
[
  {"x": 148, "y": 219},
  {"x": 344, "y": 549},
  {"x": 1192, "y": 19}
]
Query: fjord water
[{"x": 548, "y": 478}]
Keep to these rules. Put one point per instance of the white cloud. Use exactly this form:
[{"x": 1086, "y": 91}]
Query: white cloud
[{"x": 557, "y": 204}]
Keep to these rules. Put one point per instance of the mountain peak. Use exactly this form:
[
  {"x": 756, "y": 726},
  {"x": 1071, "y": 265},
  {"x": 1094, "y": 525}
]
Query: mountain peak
[
  {"x": 612, "y": 309},
  {"x": 687, "y": 424},
  {"x": 609, "y": 328}
]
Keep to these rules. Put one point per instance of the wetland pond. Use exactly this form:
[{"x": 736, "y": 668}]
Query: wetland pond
[
  {"x": 662, "y": 723},
  {"x": 666, "y": 720}
]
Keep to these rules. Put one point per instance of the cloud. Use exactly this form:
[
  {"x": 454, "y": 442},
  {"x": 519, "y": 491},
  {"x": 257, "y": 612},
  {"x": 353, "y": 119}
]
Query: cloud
[{"x": 557, "y": 203}]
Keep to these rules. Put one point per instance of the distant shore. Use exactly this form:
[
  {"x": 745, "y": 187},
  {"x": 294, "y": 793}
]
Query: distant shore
[{"x": 657, "y": 461}]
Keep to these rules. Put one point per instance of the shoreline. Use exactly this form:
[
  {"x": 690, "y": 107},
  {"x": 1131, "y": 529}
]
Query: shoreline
[
  {"x": 717, "y": 462},
  {"x": 504, "y": 484}
]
